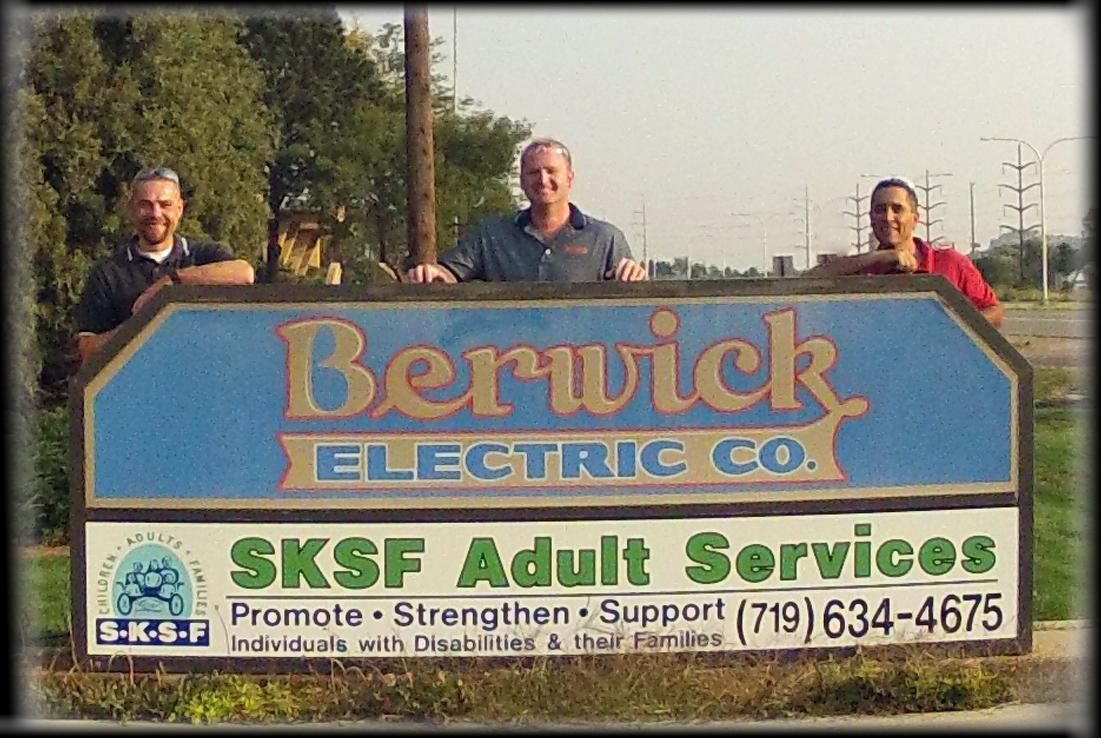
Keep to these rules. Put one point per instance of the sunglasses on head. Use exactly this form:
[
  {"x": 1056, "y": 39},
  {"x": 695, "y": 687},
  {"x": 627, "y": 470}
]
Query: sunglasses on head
[{"x": 157, "y": 173}]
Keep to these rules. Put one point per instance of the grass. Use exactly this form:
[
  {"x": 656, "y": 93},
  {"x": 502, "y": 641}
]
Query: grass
[
  {"x": 1060, "y": 511},
  {"x": 46, "y": 607},
  {"x": 1033, "y": 296},
  {"x": 637, "y": 688},
  {"x": 1051, "y": 384}
]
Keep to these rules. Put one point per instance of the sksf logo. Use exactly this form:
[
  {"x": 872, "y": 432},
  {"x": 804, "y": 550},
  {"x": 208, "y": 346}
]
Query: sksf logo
[{"x": 111, "y": 631}]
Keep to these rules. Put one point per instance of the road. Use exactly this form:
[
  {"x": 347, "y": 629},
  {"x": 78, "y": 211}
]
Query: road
[{"x": 1047, "y": 323}]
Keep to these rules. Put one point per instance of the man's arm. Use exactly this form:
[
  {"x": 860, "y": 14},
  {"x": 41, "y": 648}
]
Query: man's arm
[
  {"x": 621, "y": 265},
  {"x": 424, "y": 273},
  {"x": 233, "y": 271},
  {"x": 846, "y": 265},
  {"x": 995, "y": 314},
  {"x": 462, "y": 262},
  {"x": 628, "y": 270},
  {"x": 88, "y": 344},
  {"x": 976, "y": 289}
]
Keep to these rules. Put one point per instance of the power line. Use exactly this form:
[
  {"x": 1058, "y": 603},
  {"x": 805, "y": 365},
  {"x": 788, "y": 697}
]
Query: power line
[
  {"x": 928, "y": 207},
  {"x": 856, "y": 214},
  {"x": 1020, "y": 207}
]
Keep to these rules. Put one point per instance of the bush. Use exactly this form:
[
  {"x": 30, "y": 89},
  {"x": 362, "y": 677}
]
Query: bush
[
  {"x": 47, "y": 505},
  {"x": 1007, "y": 293}
]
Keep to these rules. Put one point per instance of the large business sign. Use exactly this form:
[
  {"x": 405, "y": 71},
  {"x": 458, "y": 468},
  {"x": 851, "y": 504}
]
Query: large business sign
[{"x": 297, "y": 473}]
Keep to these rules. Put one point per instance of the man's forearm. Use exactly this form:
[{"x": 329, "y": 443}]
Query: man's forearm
[
  {"x": 995, "y": 314},
  {"x": 237, "y": 271},
  {"x": 844, "y": 265},
  {"x": 88, "y": 344}
]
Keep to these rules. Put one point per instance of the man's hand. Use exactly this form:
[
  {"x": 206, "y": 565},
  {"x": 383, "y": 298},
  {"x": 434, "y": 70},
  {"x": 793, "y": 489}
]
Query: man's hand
[
  {"x": 423, "y": 273},
  {"x": 905, "y": 261},
  {"x": 147, "y": 295},
  {"x": 88, "y": 344},
  {"x": 628, "y": 271}
]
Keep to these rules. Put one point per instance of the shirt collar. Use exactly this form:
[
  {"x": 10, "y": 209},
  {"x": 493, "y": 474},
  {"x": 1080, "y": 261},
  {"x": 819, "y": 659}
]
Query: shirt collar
[
  {"x": 924, "y": 254},
  {"x": 578, "y": 220},
  {"x": 179, "y": 244}
]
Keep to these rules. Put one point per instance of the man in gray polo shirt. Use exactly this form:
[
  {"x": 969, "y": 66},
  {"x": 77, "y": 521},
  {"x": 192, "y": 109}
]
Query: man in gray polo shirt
[{"x": 552, "y": 241}]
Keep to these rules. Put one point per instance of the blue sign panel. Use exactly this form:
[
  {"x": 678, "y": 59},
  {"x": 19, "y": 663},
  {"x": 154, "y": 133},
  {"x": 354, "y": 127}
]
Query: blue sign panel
[{"x": 512, "y": 402}]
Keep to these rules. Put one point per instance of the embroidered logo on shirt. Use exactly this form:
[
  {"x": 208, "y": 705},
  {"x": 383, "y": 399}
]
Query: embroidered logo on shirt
[{"x": 577, "y": 249}]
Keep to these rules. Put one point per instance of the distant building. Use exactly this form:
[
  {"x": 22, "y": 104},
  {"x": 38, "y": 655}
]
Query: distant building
[{"x": 783, "y": 266}]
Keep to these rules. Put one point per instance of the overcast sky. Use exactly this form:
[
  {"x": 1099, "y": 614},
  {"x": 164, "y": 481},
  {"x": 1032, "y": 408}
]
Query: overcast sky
[{"x": 709, "y": 111}]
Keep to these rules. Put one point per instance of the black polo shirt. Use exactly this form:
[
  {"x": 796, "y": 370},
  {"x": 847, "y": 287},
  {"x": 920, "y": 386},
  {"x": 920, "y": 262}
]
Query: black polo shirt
[
  {"x": 117, "y": 281},
  {"x": 510, "y": 249}
]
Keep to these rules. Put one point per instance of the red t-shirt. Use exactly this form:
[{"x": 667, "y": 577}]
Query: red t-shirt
[{"x": 957, "y": 269}]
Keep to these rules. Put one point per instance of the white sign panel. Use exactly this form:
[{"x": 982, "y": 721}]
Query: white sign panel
[{"x": 355, "y": 590}]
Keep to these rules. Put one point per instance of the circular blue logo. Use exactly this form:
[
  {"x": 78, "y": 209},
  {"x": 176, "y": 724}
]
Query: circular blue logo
[{"x": 152, "y": 581}]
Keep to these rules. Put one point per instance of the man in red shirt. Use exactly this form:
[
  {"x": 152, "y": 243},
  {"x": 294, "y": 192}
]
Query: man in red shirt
[{"x": 894, "y": 215}]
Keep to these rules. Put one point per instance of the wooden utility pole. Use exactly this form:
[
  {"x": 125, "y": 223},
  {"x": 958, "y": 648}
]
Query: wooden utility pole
[{"x": 420, "y": 169}]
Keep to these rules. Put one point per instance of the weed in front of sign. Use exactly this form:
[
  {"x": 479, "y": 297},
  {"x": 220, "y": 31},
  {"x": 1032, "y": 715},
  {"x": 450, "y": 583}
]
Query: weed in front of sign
[{"x": 642, "y": 688}]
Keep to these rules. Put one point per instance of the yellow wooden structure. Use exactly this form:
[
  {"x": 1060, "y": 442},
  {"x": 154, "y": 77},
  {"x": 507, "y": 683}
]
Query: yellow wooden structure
[{"x": 300, "y": 242}]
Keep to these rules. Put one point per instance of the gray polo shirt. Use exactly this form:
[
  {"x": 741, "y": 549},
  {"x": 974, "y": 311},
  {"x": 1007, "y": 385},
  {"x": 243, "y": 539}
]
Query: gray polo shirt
[{"x": 508, "y": 248}]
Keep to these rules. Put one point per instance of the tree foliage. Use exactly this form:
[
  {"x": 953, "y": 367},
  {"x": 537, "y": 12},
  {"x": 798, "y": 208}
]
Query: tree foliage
[
  {"x": 104, "y": 96},
  {"x": 256, "y": 113}
]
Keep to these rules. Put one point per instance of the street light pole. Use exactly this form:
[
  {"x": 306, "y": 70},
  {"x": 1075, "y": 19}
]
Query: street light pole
[{"x": 1040, "y": 166}]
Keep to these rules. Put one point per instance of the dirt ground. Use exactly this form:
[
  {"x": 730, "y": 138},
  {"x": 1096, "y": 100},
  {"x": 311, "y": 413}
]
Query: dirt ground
[{"x": 1051, "y": 351}]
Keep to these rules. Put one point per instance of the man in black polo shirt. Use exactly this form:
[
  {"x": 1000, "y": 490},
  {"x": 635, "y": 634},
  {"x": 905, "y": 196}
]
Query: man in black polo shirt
[
  {"x": 154, "y": 257},
  {"x": 552, "y": 241}
]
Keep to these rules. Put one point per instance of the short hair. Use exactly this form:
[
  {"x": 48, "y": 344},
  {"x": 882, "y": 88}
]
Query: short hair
[
  {"x": 546, "y": 143},
  {"x": 895, "y": 182},
  {"x": 151, "y": 173}
]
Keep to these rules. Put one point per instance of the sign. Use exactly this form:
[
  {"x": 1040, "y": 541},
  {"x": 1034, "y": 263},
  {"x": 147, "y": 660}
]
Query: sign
[{"x": 295, "y": 473}]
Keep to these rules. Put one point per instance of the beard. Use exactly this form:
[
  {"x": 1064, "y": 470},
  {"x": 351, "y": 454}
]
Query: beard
[{"x": 154, "y": 232}]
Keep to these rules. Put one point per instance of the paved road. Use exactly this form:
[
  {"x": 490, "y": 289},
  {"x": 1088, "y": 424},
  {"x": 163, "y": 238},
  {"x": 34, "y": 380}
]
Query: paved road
[{"x": 1052, "y": 323}]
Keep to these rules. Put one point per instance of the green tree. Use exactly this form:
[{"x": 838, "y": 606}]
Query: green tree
[
  {"x": 360, "y": 173},
  {"x": 998, "y": 268},
  {"x": 326, "y": 124},
  {"x": 66, "y": 78},
  {"x": 117, "y": 93},
  {"x": 202, "y": 112}
]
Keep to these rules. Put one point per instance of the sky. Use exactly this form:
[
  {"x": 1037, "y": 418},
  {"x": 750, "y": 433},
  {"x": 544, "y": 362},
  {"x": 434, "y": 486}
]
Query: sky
[{"x": 695, "y": 114}]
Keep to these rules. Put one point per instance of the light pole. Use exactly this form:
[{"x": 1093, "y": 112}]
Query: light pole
[{"x": 1040, "y": 165}]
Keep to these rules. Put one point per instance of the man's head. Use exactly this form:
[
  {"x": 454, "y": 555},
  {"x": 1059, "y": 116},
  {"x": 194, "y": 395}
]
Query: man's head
[
  {"x": 894, "y": 212},
  {"x": 546, "y": 172},
  {"x": 156, "y": 206}
]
